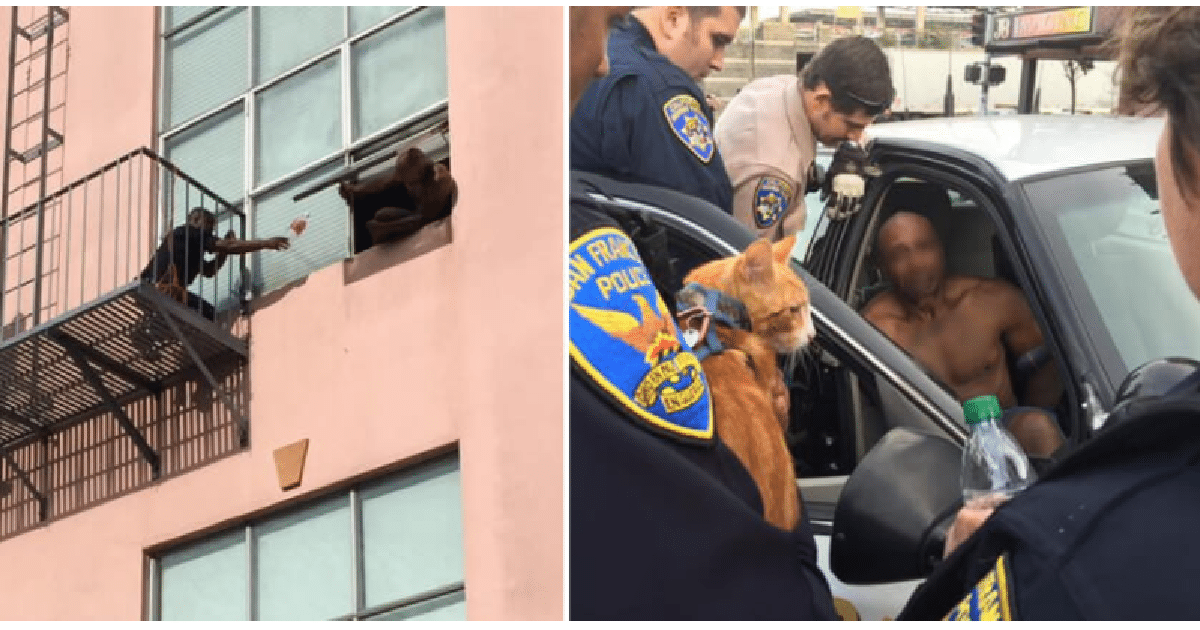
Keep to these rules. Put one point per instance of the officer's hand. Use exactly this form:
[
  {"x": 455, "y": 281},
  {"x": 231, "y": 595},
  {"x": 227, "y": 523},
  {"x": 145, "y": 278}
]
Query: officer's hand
[
  {"x": 277, "y": 243},
  {"x": 845, "y": 182},
  {"x": 968, "y": 520}
]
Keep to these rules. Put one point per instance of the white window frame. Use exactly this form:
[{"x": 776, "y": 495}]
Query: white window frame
[{"x": 346, "y": 156}]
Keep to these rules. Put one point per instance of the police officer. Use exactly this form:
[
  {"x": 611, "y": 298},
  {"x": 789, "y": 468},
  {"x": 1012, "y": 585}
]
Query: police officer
[
  {"x": 665, "y": 522},
  {"x": 1109, "y": 532},
  {"x": 768, "y": 132},
  {"x": 648, "y": 120}
]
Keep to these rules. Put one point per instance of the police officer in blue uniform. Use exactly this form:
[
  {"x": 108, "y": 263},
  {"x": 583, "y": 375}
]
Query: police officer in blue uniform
[
  {"x": 1110, "y": 531},
  {"x": 665, "y": 522},
  {"x": 648, "y": 120}
]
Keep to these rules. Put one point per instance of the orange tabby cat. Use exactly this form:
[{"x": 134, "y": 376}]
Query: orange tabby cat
[{"x": 750, "y": 400}]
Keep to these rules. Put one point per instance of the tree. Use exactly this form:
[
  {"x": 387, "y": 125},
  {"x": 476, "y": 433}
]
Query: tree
[{"x": 1075, "y": 69}]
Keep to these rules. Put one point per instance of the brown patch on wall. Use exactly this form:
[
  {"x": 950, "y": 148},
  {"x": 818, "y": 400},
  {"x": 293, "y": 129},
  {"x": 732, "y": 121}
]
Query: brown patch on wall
[{"x": 289, "y": 464}]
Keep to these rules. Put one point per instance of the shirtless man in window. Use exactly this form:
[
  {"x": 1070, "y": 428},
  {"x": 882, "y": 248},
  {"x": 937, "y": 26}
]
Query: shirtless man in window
[{"x": 958, "y": 328}]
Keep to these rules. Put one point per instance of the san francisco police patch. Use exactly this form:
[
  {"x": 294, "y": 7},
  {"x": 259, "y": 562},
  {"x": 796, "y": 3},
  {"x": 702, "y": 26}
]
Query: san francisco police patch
[
  {"x": 690, "y": 125},
  {"x": 771, "y": 201},
  {"x": 624, "y": 337},
  {"x": 990, "y": 600}
]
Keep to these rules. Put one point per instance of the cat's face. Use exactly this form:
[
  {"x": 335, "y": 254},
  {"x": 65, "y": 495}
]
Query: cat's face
[{"x": 775, "y": 297}]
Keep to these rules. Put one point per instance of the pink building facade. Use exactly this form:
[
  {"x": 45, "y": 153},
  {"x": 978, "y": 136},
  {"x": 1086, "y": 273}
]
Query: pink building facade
[{"x": 416, "y": 387}]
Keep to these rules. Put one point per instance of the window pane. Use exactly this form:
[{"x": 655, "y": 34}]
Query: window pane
[
  {"x": 363, "y": 18},
  {"x": 179, "y": 15},
  {"x": 286, "y": 36},
  {"x": 206, "y": 66},
  {"x": 212, "y": 153},
  {"x": 450, "y": 607},
  {"x": 305, "y": 564},
  {"x": 412, "y": 533},
  {"x": 299, "y": 120},
  {"x": 399, "y": 71},
  {"x": 323, "y": 242},
  {"x": 208, "y": 581}
]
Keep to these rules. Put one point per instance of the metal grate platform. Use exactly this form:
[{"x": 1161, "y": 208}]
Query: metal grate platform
[{"x": 93, "y": 360}]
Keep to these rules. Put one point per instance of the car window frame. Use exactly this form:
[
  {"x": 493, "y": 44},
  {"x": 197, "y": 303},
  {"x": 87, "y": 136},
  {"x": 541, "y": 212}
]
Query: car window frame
[
  {"x": 1020, "y": 235},
  {"x": 840, "y": 332}
]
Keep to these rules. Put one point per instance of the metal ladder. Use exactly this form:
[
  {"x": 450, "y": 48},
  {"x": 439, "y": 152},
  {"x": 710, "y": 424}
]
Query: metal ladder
[{"x": 30, "y": 141}]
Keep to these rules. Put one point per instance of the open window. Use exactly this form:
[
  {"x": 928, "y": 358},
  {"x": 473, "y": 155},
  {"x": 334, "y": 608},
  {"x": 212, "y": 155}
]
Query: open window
[
  {"x": 375, "y": 182},
  {"x": 973, "y": 247}
]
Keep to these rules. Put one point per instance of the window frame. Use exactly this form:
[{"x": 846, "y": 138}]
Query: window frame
[
  {"x": 153, "y": 557},
  {"x": 351, "y": 152}
]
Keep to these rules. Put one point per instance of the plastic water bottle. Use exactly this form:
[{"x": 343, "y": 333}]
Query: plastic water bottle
[{"x": 993, "y": 464}]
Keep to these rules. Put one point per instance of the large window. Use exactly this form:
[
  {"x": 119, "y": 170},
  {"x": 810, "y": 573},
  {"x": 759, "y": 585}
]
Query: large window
[
  {"x": 259, "y": 103},
  {"x": 391, "y": 549}
]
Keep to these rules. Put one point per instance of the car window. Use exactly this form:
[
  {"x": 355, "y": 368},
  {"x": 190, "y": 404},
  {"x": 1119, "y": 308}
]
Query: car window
[
  {"x": 1110, "y": 233},
  {"x": 828, "y": 430},
  {"x": 972, "y": 247},
  {"x": 816, "y": 223},
  {"x": 839, "y": 407}
]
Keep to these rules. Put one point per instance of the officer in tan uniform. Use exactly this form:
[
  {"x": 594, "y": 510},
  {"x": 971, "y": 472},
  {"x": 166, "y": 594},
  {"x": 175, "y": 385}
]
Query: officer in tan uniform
[{"x": 768, "y": 132}]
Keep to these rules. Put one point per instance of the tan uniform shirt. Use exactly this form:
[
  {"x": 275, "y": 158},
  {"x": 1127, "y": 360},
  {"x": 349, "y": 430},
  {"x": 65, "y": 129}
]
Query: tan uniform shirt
[{"x": 768, "y": 147}]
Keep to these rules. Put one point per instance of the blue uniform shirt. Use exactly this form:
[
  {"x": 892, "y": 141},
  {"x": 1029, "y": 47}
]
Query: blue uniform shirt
[{"x": 648, "y": 121}]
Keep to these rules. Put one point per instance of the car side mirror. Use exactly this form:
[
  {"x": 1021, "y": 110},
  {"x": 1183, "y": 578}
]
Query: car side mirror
[
  {"x": 891, "y": 520},
  {"x": 1155, "y": 379},
  {"x": 1159, "y": 377}
]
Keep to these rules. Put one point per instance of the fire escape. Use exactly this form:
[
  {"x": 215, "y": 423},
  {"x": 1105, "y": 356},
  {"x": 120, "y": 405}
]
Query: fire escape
[{"x": 84, "y": 337}]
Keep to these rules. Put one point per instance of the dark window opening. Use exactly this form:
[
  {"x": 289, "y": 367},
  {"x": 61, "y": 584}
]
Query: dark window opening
[{"x": 396, "y": 200}]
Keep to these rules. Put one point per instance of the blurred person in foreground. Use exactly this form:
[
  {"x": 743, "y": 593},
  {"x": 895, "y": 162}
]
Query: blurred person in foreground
[{"x": 1109, "y": 532}]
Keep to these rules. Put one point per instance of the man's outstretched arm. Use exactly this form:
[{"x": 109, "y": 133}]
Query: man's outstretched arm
[{"x": 229, "y": 245}]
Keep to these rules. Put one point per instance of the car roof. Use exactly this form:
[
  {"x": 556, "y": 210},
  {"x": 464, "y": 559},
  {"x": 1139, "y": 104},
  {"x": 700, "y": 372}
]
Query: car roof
[{"x": 1021, "y": 147}]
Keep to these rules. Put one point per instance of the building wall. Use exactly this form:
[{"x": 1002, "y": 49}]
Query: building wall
[{"x": 375, "y": 361}]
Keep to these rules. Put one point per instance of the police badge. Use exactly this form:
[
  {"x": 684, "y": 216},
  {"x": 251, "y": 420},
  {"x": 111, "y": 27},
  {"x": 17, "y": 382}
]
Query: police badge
[
  {"x": 687, "y": 120},
  {"x": 623, "y": 336},
  {"x": 771, "y": 201},
  {"x": 990, "y": 600}
]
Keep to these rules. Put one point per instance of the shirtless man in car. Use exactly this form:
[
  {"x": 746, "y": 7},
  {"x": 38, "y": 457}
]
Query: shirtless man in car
[{"x": 958, "y": 328}]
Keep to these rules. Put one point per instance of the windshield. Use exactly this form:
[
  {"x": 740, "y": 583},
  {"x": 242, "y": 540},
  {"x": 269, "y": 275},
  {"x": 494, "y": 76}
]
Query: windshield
[{"x": 1112, "y": 247}]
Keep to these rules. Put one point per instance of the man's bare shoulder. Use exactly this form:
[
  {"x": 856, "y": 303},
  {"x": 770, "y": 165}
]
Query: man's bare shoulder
[
  {"x": 958, "y": 287},
  {"x": 990, "y": 297},
  {"x": 884, "y": 307}
]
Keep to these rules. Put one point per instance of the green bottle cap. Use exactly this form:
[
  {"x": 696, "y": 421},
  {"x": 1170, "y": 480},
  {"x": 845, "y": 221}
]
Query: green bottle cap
[{"x": 981, "y": 408}]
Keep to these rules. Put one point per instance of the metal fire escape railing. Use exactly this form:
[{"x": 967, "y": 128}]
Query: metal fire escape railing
[{"x": 88, "y": 335}]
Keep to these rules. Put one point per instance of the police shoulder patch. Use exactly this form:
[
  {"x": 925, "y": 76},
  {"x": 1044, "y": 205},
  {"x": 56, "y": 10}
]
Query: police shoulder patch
[
  {"x": 990, "y": 600},
  {"x": 690, "y": 125},
  {"x": 771, "y": 198},
  {"x": 624, "y": 337}
]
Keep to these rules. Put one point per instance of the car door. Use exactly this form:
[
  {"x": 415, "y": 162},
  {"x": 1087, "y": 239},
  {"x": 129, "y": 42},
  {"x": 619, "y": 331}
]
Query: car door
[{"x": 883, "y": 387}]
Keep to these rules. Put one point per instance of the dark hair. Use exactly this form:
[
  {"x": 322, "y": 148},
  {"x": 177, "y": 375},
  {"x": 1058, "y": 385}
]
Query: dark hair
[
  {"x": 1160, "y": 65},
  {"x": 857, "y": 74},
  {"x": 196, "y": 212},
  {"x": 699, "y": 13}
]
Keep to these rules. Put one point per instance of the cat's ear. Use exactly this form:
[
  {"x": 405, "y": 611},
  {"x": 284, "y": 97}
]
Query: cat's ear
[
  {"x": 783, "y": 249},
  {"x": 758, "y": 264}
]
